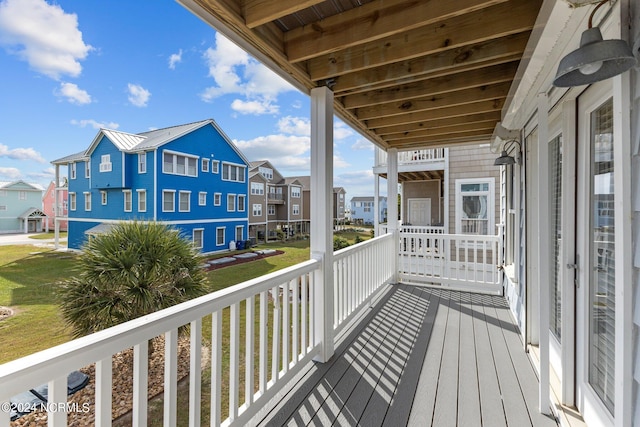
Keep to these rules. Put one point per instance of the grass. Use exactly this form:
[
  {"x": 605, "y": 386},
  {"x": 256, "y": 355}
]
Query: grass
[{"x": 50, "y": 235}]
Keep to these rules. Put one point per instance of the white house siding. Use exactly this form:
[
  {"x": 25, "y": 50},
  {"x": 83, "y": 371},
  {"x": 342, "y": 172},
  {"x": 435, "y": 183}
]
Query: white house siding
[{"x": 635, "y": 176}]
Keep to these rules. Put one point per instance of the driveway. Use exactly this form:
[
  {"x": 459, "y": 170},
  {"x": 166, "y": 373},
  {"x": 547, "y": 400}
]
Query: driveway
[{"x": 23, "y": 239}]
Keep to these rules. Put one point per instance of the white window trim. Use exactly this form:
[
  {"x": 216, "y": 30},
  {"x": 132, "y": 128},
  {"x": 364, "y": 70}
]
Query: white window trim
[
  {"x": 72, "y": 171},
  {"x": 223, "y": 236},
  {"x": 175, "y": 155},
  {"x": 202, "y": 198},
  {"x": 72, "y": 201},
  {"x": 87, "y": 169},
  {"x": 205, "y": 165},
  {"x": 125, "y": 194},
  {"x": 103, "y": 198},
  {"x": 253, "y": 210},
  {"x": 241, "y": 168},
  {"x": 215, "y": 169},
  {"x": 193, "y": 237},
  {"x": 297, "y": 192},
  {"x": 188, "y": 193},
  {"x": 105, "y": 163},
  {"x": 271, "y": 209},
  {"x": 173, "y": 195},
  {"x": 233, "y": 208},
  {"x": 239, "y": 227},
  {"x": 139, "y": 192},
  {"x": 87, "y": 201},
  {"x": 295, "y": 210},
  {"x": 217, "y": 197},
  {"x": 257, "y": 188},
  {"x": 141, "y": 163},
  {"x": 490, "y": 201},
  {"x": 244, "y": 202}
]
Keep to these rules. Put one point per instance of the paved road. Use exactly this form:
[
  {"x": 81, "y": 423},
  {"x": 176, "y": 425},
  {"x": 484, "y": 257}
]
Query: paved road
[{"x": 23, "y": 239}]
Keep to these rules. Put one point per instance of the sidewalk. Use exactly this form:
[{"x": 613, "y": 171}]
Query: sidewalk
[{"x": 23, "y": 239}]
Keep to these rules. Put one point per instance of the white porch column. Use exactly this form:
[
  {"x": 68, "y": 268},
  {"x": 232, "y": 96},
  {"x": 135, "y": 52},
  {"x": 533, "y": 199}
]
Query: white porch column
[
  {"x": 322, "y": 216},
  {"x": 392, "y": 204},
  {"x": 56, "y": 201},
  {"x": 544, "y": 250},
  {"x": 376, "y": 204}
]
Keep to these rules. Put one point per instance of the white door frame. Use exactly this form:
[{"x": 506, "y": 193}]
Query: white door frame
[{"x": 418, "y": 199}]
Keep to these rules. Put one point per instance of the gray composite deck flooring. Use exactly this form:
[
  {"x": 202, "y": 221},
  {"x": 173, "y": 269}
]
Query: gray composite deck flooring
[{"x": 421, "y": 357}]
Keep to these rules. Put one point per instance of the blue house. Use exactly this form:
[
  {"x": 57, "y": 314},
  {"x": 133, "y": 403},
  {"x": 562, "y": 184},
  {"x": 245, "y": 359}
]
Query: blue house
[
  {"x": 190, "y": 176},
  {"x": 362, "y": 210}
]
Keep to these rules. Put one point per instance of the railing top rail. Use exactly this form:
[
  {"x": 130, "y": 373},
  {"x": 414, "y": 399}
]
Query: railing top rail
[
  {"x": 467, "y": 237},
  {"x": 343, "y": 253},
  {"x": 35, "y": 369}
]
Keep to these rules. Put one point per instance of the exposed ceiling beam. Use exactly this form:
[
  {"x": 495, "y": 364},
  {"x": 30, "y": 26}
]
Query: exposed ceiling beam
[
  {"x": 258, "y": 12},
  {"x": 440, "y": 123},
  {"x": 425, "y": 88},
  {"x": 481, "y": 127},
  {"x": 372, "y": 21},
  {"x": 449, "y": 99},
  {"x": 499, "y": 21}
]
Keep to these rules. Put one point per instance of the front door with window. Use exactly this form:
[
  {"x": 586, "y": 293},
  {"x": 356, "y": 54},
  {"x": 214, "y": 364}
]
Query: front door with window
[{"x": 595, "y": 344}]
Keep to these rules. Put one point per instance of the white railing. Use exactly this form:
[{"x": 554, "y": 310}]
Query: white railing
[
  {"x": 279, "y": 312},
  {"x": 465, "y": 262},
  {"x": 358, "y": 272},
  {"x": 426, "y": 229},
  {"x": 412, "y": 157}
]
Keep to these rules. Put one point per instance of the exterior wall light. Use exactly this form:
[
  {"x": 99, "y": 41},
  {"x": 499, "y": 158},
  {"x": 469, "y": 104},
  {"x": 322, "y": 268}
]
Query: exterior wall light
[{"x": 595, "y": 60}]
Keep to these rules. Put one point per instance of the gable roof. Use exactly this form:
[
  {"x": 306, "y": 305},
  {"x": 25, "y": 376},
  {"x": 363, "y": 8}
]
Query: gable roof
[
  {"x": 146, "y": 141},
  {"x": 7, "y": 185},
  {"x": 304, "y": 180}
]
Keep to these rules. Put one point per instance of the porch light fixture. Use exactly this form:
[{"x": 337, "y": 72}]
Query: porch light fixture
[
  {"x": 505, "y": 159},
  {"x": 595, "y": 60}
]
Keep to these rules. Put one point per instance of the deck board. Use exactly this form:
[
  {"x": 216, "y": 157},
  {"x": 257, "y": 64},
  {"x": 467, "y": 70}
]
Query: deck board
[{"x": 422, "y": 356}]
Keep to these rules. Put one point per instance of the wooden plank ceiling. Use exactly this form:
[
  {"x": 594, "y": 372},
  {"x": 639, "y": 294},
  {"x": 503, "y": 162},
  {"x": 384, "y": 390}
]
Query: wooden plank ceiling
[{"x": 408, "y": 74}]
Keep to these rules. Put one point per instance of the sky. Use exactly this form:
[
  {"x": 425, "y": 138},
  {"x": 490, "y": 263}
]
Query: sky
[{"x": 71, "y": 67}]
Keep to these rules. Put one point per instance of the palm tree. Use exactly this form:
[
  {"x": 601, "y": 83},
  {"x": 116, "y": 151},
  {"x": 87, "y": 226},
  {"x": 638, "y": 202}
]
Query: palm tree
[{"x": 134, "y": 269}]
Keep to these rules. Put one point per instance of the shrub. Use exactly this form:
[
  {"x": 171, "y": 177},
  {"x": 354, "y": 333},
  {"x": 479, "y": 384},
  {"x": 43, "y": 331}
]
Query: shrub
[
  {"x": 339, "y": 243},
  {"x": 132, "y": 270}
]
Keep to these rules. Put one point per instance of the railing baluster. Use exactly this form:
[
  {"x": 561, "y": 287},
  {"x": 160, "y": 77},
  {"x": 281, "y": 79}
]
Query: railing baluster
[
  {"x": 57, "y": 394},
  {"x": 286, "y": 327},
  {"x": 102, "y": 392},
  {"x": 305, "y": 319},
  {"x": 264, "y": 345},
  {"x": 296, "y": 320},
  {"x": 216, "y": 368},
  {"x": 234, "y": 360},
  {"x": 195, "y": 372},
  {"x": 140, "y": 383},
  {"x": 170, "y": 377},
  {"x": 249, "y": 381},
  {"x": 275, "y": 358}
]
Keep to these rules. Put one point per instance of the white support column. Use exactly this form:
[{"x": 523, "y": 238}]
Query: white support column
[
  {"x": 376, "y": 204},
  {"x": 392, "y": 205},
  {"x": 322, "y": 216},
  {"x": 544, "y": 250}
]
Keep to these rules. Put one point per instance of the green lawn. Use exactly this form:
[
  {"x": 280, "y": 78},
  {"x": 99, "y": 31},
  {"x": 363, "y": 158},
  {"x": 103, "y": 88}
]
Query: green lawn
[{"x": 49, "y": 235}]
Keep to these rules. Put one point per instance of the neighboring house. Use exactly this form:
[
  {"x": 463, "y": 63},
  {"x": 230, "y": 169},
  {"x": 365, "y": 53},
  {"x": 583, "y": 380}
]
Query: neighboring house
[
  {"x": 276, "y": 203},
  {"x": 20, "y": 207},
  {"x": 453, "y": 189},
  {"x": 49, "y": 206},
  {"x": 339, "y": 204},
  {"x": 363, "y": 208},
  {"x": 190, "y": 176}
]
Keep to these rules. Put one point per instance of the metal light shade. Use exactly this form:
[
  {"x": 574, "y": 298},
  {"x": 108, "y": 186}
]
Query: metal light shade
[
  {"x": 595, "y": 60},
  {"x": 504, "y": 160}
]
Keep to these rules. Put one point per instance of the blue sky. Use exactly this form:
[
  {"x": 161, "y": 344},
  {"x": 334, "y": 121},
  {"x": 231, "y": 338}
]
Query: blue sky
[{"x": 70, "y": 67}]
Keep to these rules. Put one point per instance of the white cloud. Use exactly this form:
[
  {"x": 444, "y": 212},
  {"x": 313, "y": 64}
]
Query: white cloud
[
  {"x": 74, "y": 94},
  {"x": 255, "y": 107},
  {"x": 362, "y": 144},
  {"x": 43, "y": 35},
  {"x": 10, "y": 173},
  {"x": 341, "y": 131},
  {"x": 357, "y": 183},
  {"x": 174, "y": 59},
  {"x": 95, "y": 124},
  {"x": 138, "y": 95},
  {"x": 21, "y": 154},
  {"x": 235, "y": 72},
  {"x": 286, "y": 152},
  {"x": 339, "y": 162},
  {"x": 49, "y": 173},
  {"x": 295, "y": 125}
]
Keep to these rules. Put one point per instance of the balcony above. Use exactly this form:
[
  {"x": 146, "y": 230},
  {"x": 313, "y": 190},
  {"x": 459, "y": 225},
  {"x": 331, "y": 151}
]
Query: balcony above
[{"x": 413, "y": 165}]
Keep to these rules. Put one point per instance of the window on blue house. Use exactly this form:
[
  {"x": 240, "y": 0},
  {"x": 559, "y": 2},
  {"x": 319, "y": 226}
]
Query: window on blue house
[
  {"x": 215, "y": 166},
  {"x": 231, "y": 203},
  {"x": 217, "y": 199},
  {"x": 103, "y": 197},
  {"x": 87, "y": 169},
  {"x": 239, "y": 232},
  {"x": 127, "y": 200},
  {"x": 198, "y": 234},
  {"x": 105, "y": 163},
  {"x": 179, "y": 164},
  {"x": 202, "y": 198},
  {"x": 72, "y": 171},
  {"x": 87, "y": 201},
  {"x": 72, "y": 201},
  {"x": 142, "y": 162},
  {"x": 232, "y": 172},
  {"x": 142, "y": 200},
  {"x": 185, "y": 199},
  {"x": 241, "y": 202},
  {"x": 220, "y": 236},
  {"x": 168, "y": 201},
  {"x": 205, "y": 165}
]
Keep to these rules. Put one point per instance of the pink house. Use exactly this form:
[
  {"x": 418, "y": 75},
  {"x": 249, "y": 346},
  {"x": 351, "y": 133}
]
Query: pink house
[{"x": 48, "y": 206}]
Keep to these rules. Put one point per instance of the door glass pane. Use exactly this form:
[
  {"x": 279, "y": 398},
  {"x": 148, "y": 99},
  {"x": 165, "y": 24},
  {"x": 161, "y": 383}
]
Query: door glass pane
[
  {"x": 555, "y": 160},
  {"x": 602, "y": 262}
]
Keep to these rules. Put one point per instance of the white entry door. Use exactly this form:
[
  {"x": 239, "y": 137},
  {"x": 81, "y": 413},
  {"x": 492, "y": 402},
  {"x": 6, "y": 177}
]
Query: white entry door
[
  {"x": 595, "y": 245},
  {"x": 419, "y": 211}
]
